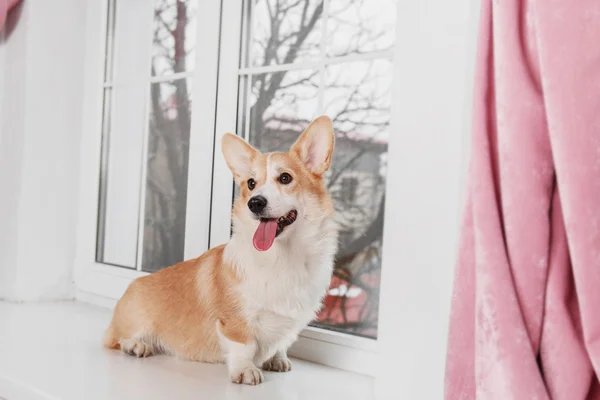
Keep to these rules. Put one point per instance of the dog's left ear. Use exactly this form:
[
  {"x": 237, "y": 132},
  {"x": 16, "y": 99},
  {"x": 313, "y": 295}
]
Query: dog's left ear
[{"x": 315, "y": 145}]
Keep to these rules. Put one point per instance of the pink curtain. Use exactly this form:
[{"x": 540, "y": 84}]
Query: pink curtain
[
  {"x": 525, "y": 320},
  {"x": 5, "y": 6}
]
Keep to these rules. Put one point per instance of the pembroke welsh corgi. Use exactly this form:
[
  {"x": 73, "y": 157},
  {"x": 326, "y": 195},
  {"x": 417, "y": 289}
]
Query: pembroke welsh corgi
[{"x": 244, "y": 303}]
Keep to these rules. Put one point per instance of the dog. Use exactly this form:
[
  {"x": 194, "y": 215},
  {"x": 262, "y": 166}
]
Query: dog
[{"x": 244, "y": 303}]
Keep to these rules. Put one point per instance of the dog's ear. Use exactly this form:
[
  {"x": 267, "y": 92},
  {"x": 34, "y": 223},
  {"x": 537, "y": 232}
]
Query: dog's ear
[
  {"x": 315, "y": 145},
  {"x": 239, "y": 155}
]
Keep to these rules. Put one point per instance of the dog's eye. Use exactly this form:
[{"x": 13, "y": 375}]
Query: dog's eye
[
  {"x": 251, "y": 184},
  {"x": 285, "y": 178}
]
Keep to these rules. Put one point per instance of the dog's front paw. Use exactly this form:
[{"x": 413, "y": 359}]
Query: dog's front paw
[
  {"x": 278, "y": 364},
  {"x": 136, "y": 348},
  {"x": 247, "y": 376}
]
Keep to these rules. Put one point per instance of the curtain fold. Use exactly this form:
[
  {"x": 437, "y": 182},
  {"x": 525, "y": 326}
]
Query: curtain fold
[
  {"x": 525, "y": 319},
  {"x": 5, "y": 6}
]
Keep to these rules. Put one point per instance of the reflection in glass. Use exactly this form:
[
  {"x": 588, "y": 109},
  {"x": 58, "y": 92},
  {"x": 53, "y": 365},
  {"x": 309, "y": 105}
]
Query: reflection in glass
[
  {"x": 360, "y": 26},
  {"x": 282, "y": 104},
  {"x": 146, "y": 129},
  {"x": 284, "y": 32},
  {"x": 357, "y": 97},
  {"x": 174, "y": 36},
  {"x": 166, "y": 175}
]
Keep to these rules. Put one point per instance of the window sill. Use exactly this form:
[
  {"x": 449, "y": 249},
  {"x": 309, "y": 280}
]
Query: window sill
[{"x": 53, "y": 351}]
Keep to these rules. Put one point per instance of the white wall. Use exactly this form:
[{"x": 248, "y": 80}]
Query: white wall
[
  {"x": 12, "y": 119},
  {"x": 434, "y": 61},
  {"x": 41, "y": 78}
]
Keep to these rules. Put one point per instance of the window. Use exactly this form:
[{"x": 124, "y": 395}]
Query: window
[
  {"x": 149, "y": 66},
  {"x": 300, "y": 59},
  {"x": 165, "y": 80},
  {"x": 149, "y": 120}
]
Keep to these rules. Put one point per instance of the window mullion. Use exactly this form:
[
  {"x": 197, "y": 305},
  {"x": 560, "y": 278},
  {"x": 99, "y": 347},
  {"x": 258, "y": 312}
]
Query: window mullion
[
  {"x": 110, "y": 41},
  {"x": 148, "y": 81},
  {"x": 247, "y": 94},
  {"x": 387, "y": 54},
  {"x": 248, "y": 28},
  {"x": 143, "y": 178},
  {"x": 154, "y": 79},
  {"x": 322, "y": 66}
]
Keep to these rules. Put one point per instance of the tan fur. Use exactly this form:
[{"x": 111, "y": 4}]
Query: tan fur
[{"x": 177, "y": 308}]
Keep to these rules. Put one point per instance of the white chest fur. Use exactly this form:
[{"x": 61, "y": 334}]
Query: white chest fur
[{"x": 282, "y": 288}]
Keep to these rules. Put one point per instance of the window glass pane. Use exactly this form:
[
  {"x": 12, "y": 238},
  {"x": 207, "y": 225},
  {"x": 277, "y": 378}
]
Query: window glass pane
[
  {"x": 285, "y": 31},
  {"x": 146, "y": 129},
  {"x": 360, "y": 26},
  {"x": 166, "y": 176},
  {"x": 174, "y": 37},
  {"x": 282, "y": 104},
  {"x": 357, "y": 97}
]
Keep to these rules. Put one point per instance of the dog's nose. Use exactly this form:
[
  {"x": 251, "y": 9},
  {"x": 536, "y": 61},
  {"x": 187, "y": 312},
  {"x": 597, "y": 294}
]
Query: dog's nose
[{"x": 257, "y": 204}]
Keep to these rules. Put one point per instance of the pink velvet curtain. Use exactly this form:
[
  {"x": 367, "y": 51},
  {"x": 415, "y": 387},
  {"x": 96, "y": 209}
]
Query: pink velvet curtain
[
  {"x": 5, "y": 6},
  {"x": 525, "y": 321}
]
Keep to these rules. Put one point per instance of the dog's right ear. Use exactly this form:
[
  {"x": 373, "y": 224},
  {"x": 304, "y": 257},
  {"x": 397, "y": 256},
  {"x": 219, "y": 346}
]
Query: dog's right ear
[
  {"x": 239, "y": 156},
  {"x": 315, "y": 146}
]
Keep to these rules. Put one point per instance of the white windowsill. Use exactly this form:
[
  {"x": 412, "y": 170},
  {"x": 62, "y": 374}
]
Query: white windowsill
[{"x": 53, "y": 351}]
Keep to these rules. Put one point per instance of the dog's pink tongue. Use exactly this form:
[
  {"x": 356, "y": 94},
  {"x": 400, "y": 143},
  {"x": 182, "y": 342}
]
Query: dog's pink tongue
[{"x": 265, "y": 235}]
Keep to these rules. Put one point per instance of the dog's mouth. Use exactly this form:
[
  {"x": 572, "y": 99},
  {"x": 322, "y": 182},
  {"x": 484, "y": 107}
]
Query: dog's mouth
[{"x": 269, "y": 228}]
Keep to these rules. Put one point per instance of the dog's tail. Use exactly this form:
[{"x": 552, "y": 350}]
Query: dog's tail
[{"x": 111, "y": 339}]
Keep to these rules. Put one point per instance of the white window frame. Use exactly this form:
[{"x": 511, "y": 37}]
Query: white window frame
[
  {"x": 102, "y": 281},
  {"x": 207, "y": 222}
]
